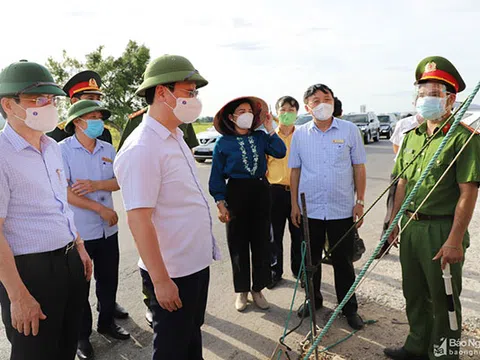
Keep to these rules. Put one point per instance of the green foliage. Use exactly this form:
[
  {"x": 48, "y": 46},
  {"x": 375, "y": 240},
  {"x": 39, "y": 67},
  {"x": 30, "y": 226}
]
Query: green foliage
[{"x": 120, "y": 78}]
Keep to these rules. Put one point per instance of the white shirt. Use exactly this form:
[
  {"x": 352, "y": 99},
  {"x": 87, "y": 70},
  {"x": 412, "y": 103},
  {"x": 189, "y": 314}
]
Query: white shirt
[
  {"x": 156, "y": 169},
  {"x": 403, "y": 126}
]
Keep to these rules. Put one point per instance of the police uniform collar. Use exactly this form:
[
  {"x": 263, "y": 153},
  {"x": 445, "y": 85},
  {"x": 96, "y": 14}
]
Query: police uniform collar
[
  {"x": 19, "y": 143},
  {"x": 156, "y": 126},
  {"x": 422, "y": 128}
]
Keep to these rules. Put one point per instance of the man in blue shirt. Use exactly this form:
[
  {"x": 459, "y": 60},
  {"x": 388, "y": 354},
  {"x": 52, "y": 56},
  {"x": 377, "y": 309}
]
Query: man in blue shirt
[
  {"x": 88, "y": 164},
  {"x": 327, "y": 159}
]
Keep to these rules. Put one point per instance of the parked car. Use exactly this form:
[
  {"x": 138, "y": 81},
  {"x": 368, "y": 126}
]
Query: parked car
[
  {"x": 2, "y": 122},
  {"x": 303, "y": 119},
  {"x": 387, "y": 124},
  {"x": 207, "y": 140},
  {"x": 367, "y": 123},
  {"x": 471, "y": 120}
]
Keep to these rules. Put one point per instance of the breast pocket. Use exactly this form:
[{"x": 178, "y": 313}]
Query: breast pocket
[
  {"x": 107, "y": 170},
  {"x": 339, "y": 152}
]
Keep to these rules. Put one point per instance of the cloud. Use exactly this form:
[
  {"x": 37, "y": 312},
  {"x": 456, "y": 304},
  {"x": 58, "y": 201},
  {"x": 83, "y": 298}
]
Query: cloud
[
  {"x": 245, "y": 46},
  {"x": 313, "y": 30},
  {"x": 239, "y": 23}
]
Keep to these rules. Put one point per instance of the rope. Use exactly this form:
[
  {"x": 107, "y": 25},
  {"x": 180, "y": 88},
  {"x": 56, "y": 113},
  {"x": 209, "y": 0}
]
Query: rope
[{"x": 395, "y": 220}]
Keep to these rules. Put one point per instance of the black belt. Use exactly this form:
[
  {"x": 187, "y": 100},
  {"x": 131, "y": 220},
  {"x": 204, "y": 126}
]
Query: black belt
[
  {"x": 420, "y": 217},
  {"x": 65, "y": 249},
  {"x": 284, "y": 187}
]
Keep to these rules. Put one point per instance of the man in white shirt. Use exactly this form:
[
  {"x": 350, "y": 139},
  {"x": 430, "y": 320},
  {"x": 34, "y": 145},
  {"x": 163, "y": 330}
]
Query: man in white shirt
[{"x": 167, "y": 210}]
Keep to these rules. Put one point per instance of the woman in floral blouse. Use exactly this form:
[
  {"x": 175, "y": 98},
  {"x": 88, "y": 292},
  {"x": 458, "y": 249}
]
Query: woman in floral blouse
[{"x": 244, "y": 202}]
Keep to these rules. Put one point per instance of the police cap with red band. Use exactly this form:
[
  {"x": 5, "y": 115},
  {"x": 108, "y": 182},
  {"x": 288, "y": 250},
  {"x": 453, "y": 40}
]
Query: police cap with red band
[
  {"x": 85, "y": 82},
  {"x": 440, "y": 69}
]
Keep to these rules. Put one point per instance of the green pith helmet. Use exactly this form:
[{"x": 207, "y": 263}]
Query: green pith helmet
[
  {"x": 81, "y": 108},
  {"x": 26, "y": 77},
  {"x": 169, "y": 69}
]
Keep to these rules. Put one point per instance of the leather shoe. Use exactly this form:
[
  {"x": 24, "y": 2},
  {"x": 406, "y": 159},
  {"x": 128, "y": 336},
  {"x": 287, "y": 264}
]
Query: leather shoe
[
  {"x": 115, "y": 331},
  {"x": 355, "y": 321},
  {"x": 149, "y": 317},
  {"x": 274, "y": 283},
  {"x": 118, "y": 313},
  {"x": 402, "y": 354},
  {"x": 304, "y": 311},
  {"x": 85, "y": 350}
]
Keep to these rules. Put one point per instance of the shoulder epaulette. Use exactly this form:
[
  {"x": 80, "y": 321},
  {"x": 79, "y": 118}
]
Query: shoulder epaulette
[{"x": 137, "y": 113}]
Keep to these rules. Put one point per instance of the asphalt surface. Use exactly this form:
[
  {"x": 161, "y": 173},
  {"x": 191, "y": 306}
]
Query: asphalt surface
[{"x": 254, "y": 334}]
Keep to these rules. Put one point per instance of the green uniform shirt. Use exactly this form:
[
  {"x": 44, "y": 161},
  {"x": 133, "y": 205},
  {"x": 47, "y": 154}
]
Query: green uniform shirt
[
  {"x": 188, "y": 131},
  {"x": 466, "y": 168}
]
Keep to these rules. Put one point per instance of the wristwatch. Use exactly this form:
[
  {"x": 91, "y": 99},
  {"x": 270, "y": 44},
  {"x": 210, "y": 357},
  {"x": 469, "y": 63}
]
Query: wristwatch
[
  {"x": 221, "y": 201},
  {"x": 360, "y": 202}
]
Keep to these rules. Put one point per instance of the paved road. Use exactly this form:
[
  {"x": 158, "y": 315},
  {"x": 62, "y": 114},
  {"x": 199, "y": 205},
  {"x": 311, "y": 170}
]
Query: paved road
[{"x": 254, "y": 333}]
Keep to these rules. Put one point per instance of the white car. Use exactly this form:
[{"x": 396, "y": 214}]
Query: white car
[{"x": 207, "y": 140}]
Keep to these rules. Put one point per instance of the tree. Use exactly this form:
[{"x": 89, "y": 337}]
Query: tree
[{"x": 120, "y": 78}]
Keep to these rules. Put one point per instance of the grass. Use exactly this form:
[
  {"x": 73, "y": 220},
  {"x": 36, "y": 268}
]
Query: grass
[{"x": 199, "y": 127}]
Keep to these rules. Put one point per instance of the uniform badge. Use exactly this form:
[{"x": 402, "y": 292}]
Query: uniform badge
[
  {"x": 92, "y": 83},
  {"x": 107, "y": 160},
  {"x": 430, "y": 67},
  {"x": 338, "y": 141}
]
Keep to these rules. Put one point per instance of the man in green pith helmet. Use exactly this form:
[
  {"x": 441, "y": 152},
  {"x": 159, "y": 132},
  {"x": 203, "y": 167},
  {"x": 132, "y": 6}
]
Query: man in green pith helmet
[
  {"x": 437, "y": 234},
  {"x": 136, "y": 118},
  {"x": 167, "y": 211},
  {"x": 44, "y": 267}
]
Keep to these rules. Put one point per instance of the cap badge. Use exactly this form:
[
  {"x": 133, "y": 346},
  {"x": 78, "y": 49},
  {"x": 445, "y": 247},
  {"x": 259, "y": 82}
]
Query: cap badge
[
  {"x": 92, "y": 83},
  {"x": 430, "y": 67}
]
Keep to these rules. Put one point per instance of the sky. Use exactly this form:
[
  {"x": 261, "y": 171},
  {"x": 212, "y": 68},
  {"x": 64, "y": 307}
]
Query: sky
[{"x": 366, "y": 51}]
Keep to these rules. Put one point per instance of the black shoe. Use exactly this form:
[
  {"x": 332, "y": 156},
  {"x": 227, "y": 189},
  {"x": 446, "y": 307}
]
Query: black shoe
[
  {"x": 383, "y": 250},
  {"x": 149, "y": 317},
  {"x": 115, "y": 331},
  {"x": 359, "y": 249},
  {"x": 118, "y": 313},
  {"x": 304, "y": 311},
  {"x": 355, "y": 321},
  {"x": 274, "y": 283},
  {"x": 402, "y": 354},
  {"x": 85, "y": 350}
]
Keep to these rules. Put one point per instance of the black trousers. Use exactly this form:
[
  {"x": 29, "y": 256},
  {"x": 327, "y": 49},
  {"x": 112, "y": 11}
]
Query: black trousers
[
  {"x": 177, "y": 334},
  {"x": 57, "y": 282},
  {"x": 342, "y": 257},
  {"x": 281, "y": 211},
  {"x": 105, "y": 256},
  {"x": 249, "y": 230}
]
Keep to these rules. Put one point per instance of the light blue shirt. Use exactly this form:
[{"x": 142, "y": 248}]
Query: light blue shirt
[
  {"x": 33, "y": 195},
  {"x": 80, "y": 164},
  {"x": 326, "y": 160}
]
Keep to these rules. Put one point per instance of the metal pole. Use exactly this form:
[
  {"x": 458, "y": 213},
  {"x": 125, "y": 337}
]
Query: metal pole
[{"x": 310, "y": 270}]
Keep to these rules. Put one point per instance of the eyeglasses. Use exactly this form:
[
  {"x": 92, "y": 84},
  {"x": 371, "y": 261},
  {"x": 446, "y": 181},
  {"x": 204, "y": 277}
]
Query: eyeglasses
[
  {"x": 42, "y": 100},
  {"x": 191, "y": 93}
]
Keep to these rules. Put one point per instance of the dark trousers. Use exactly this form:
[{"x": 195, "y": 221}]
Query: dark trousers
[
  {"x": 105, "y": 256},
  {"x": 249, "y": 230},
  {"x": 57, "y": 282},
  {"x": 342, "y": 257},
  {"x": 177, "y": 334},
  {"x": 281, "y": 211}
]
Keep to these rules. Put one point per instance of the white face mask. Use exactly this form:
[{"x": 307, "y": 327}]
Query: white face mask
[
  {"x": 323, "y": 112},
  {"x": 187, "y": 110},
  {"x": 245, "y": 121},
  {"x": 44, "y": 119}
]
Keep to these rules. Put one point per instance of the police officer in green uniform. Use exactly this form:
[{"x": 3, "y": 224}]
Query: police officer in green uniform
[
  {"x": 136, "y": 118},
  {"x": 83, "y": 86},
  {"x": 438, "y": 234}
]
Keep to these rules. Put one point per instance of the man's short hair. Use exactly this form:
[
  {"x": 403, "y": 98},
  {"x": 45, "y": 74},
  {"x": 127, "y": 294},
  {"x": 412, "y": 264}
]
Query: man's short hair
[
  {"x": 287, "y": 100},
  {"x": 314, "y": 88},
  {"x": 337, "y": 107},
  {"x": 150, "y": 92}
]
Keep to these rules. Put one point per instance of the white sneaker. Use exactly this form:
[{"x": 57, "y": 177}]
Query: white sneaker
[
  {"x": 260, "y": 300},
  {"x": 241, "y": 302}
]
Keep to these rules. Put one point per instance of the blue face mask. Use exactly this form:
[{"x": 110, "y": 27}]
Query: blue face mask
[
  {"x": 94, "y": 128},
  {"x": 431, "y": 107}
]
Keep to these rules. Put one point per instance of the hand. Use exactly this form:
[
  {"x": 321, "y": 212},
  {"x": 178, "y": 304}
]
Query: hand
[
  {"x": 167, "y": 295},
  {"x": 223, "y": 213},
  {"x": 268, "y": 122},
  {"x": 393, "y": 238},
  {"x": 357, "y": 214},
  {"x": 87, "y": 262},
  {"x": 84, "y": 187},
  {"x": 26, "y": 314},
  {"x": 296, "y": 215},
  {"x": 109, "y": 215},
  {"x": 449, "y": 255}
]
